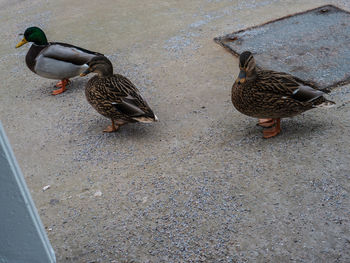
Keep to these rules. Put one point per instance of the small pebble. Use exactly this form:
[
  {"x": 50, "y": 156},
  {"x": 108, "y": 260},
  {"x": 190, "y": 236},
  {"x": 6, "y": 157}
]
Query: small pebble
[
  {"x": 144, "y": 199},
  {"x": 46, "y": 187},
  {"x": 98, "y": 193},
  {"x": 54, "y": 201}
]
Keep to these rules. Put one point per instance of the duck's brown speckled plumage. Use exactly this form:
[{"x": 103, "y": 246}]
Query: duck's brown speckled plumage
[
  {"x": 270, "y": 95},
  {"x": 114, "y": 96}
]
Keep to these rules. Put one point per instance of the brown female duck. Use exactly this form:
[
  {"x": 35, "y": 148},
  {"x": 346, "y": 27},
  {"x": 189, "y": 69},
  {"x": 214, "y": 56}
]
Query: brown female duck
[
  {"x": 270, "y": 95},
  {"x": 114, "y": 96}
]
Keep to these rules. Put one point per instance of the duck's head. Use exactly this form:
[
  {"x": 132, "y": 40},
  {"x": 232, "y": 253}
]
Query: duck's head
[
  {"x": 247, "y": 67},
  {"x": 100, "y": 65},
  {"x": 33, "y": 34}
]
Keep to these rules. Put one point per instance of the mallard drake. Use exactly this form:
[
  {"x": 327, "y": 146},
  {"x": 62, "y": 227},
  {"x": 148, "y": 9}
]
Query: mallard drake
[
  {"x": 54, "y": 60},
  {"x": 114, "y": 96},
  {"x": 269, "y": 95}
]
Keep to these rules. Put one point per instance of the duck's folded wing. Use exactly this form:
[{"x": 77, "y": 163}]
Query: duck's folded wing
[
  {"x": 68, "y": 53},
  {"x": 128, "y": 99},
  {"x": 295, "y": 88},
  {"x": 130, "y": 106},
  {"x": 306, "y": 94}
]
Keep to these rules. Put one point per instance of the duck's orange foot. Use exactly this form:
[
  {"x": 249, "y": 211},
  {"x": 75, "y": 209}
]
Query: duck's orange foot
[
  {"x": 273, "y": 131},
  {"x": 59, "y": 91},
  {"x": 266, "y": 123},
  {"x": 111, "y": 128},
  {"x": 62, "y": 84}
]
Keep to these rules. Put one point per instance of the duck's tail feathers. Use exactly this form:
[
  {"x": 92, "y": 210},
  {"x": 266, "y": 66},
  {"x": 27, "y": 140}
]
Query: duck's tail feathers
[
  {"x": 146, "y": 119},
  {"x": 326, "y": 104}
]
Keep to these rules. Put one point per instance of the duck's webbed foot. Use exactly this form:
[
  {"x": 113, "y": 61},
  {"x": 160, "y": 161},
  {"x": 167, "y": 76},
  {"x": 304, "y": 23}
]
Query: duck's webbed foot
[
  {"x": 273, "y": 131},
  {"x": 266, "y": 123},
  {"x": 62, "y": 84},
  {"x": 114, "y": 127},
  {"x": 111, "y": 128}
]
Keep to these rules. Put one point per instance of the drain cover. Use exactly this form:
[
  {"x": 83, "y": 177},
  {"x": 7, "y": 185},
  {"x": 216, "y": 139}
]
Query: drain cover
[{"x": 312, "y": 45}]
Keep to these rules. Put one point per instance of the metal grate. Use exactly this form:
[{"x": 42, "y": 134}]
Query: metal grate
[{"x": 313, "y": 45}]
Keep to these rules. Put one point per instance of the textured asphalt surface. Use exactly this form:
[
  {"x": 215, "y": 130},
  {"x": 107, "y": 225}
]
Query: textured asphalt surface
[{"x": 199, "y": 186}]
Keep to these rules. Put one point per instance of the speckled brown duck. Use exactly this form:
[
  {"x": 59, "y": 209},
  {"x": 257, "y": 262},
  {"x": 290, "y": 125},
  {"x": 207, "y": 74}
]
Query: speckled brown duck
[
  {"x": 114, "y": 96},
  {"x": 54, "y": 60},
  {"x": 270, "y": 95}
]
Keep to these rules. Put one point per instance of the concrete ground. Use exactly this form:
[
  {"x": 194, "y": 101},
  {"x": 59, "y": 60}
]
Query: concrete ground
[{"x": 199, "y": 186}]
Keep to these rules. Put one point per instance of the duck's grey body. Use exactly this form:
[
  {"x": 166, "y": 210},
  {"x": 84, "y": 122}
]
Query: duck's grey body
[{"x": 58, "y": 60}]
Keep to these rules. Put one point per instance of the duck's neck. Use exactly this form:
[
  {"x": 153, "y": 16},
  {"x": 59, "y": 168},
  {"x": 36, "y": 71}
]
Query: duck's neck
[
  {"x": 252, "y": 74},
  {"x": 105, "y": 71},
  {"x": 41, "y": 43}
]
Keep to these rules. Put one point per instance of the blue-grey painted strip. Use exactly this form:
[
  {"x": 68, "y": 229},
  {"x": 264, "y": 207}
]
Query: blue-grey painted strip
[{"x": 22, "y": 235}]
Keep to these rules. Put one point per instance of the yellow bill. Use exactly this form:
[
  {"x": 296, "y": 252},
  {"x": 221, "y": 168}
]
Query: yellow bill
[
  {"x": 87, "y": 71},
  {"x": 21, "y": 43}
]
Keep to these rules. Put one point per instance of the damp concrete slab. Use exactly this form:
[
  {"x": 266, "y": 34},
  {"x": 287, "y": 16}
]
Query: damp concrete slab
[{"x": 313, "y": 45}]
